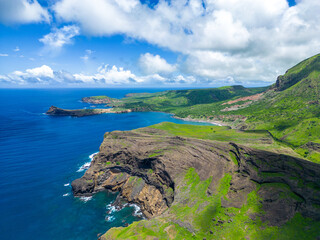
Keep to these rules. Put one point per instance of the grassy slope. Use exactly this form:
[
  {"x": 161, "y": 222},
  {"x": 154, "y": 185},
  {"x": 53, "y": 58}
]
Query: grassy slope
[
  {"x": 237, "y": 222},
  {"x": 258, "y": 139},
  {"x": 205, "y": 212},
  {"x": 289, "y": 112},
  {"x": 290, "y": 109},
  {"x": 292, "y": 114},
  {"x": 172, "y": 101}
]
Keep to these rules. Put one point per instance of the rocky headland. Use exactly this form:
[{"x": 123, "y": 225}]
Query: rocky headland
[
  {"x": 198, "y": 187},
  {"x": 55, "y": 111}
]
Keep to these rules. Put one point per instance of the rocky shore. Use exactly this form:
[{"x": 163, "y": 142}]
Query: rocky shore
[{"x": 148, "y": 167}]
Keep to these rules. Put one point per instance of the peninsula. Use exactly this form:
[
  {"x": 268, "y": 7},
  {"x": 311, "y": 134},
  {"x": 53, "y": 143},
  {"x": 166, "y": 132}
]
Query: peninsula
[
  {"x": 55, "y": 111},
  {"x": 256, "y": 178}
]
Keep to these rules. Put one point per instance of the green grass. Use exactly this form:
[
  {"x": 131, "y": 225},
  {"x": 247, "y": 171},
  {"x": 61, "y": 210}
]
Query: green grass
[
  {"x": 176, "y": 100},
  {"x": 256, "y": 139},
  {"x": 204, "y": 213},
  {"x": 99, "y": 97},
  {"x": 156, "y": 153},
  {"x": 289, "y": 110},
  {"x": 233, "y": 158},
  {"x": 224, "y": 134}
]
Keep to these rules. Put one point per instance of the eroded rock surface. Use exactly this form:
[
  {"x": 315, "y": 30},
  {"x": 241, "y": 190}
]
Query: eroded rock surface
[{"x": 147, "y": 167}]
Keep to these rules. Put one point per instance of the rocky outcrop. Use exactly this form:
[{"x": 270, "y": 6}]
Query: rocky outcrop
[
  {"x": 313, "y": 146},
  {"x": 55, "y": 111},
  {"x": 147, "y": 167}
]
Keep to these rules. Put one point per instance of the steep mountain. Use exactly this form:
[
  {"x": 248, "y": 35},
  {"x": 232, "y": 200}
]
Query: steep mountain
[
  {"x": 309, "y": 68},
  {"x": 290, "y": 110}
]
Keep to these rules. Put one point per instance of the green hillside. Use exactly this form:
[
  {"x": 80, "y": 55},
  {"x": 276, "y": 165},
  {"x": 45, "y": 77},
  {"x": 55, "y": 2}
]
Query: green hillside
[
  {"x": 307, "y": 68},
  {"x": 172, "y": 101},
  {"x": 289, "y": 109}
]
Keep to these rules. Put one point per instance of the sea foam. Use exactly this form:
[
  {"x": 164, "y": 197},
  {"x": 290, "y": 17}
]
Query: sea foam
[
  {"x": 87, "y": 164},
  {"x": 137, "y": 209},
  {"x": 110, "y": 218},
  {"x": 85, "y": 199},
  {"x": 111, "y": 208}
]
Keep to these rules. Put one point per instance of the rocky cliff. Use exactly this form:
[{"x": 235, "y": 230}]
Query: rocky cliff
[{"x": 149, "y": 168}]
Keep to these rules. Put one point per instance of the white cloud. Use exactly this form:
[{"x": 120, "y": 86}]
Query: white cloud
[
  {"x": 43, "y": 74},
  {"x": 150, "y": 63},
  {"x": 245, "y": 40},
  {"x": 188, "y": 80},
  {"x": 22, "y": 11},
  {"x": 87, "y": 55},
  {"x": 105, "y": 76},
  {"x": 109, "y": 75},
  {"x": 60, "y": 37},
  {"x": 17, "y": 49},
  {"x": 43, "y": 71},
  {"x": 4, "y": 55}
]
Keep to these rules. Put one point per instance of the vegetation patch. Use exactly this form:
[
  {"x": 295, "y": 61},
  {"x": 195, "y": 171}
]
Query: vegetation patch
[{"x": 209, "y": 220}]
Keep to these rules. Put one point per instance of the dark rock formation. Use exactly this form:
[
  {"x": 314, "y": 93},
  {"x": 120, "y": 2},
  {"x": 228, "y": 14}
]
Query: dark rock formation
[{"x": 146, "y": 167}]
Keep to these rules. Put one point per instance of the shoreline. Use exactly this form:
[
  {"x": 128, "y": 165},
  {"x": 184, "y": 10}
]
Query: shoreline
[{"x": 217, "y": 123}]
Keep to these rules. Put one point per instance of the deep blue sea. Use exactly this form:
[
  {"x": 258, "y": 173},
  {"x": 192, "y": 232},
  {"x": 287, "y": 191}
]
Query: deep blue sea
[{"x": 41, "y": 155}]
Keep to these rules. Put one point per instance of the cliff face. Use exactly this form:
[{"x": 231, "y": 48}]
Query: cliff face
[{"x": 149, "y": 167}]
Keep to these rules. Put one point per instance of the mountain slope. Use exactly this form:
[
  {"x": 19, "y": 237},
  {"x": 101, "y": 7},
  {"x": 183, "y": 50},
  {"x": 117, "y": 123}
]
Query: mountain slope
[
  {"x": 305, "y": 69},
  {"x": 170, "y": 101},
  {"x": 289, "y": 109},
  {"x": 194, "y": 188}
]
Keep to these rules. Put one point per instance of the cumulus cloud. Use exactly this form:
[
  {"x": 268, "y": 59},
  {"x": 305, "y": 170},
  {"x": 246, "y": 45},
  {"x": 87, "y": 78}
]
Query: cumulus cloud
[
  {"x": 22, "y": 11},
  {"x": 33, "y": 75},
  {"x": 43, "y": 71},
  {"x": 60, "y": 37},
  {"x": 17, "y": 49},
  {"x": 4, "y": 55},
  {"x": 151, "y": 64},
  {"x": 220, "y": 39},
  {"x": 109, "y": 75},
  {"x": 104, "y": 76}
]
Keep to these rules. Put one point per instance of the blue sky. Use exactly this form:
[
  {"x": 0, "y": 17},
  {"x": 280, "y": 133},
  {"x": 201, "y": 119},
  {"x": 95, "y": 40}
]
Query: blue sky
[{"x": 131, "y": 43}]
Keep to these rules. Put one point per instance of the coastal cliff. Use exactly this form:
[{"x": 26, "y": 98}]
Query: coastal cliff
[{"x": 196, "y": 188}]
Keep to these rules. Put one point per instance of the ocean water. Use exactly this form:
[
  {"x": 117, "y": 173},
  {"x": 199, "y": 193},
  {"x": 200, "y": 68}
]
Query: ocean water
[{"x": 41, "y": 155}]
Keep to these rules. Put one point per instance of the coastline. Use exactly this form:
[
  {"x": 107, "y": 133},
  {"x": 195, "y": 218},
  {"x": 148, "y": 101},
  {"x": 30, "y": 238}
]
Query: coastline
[{"x": 217, "y": 123}]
